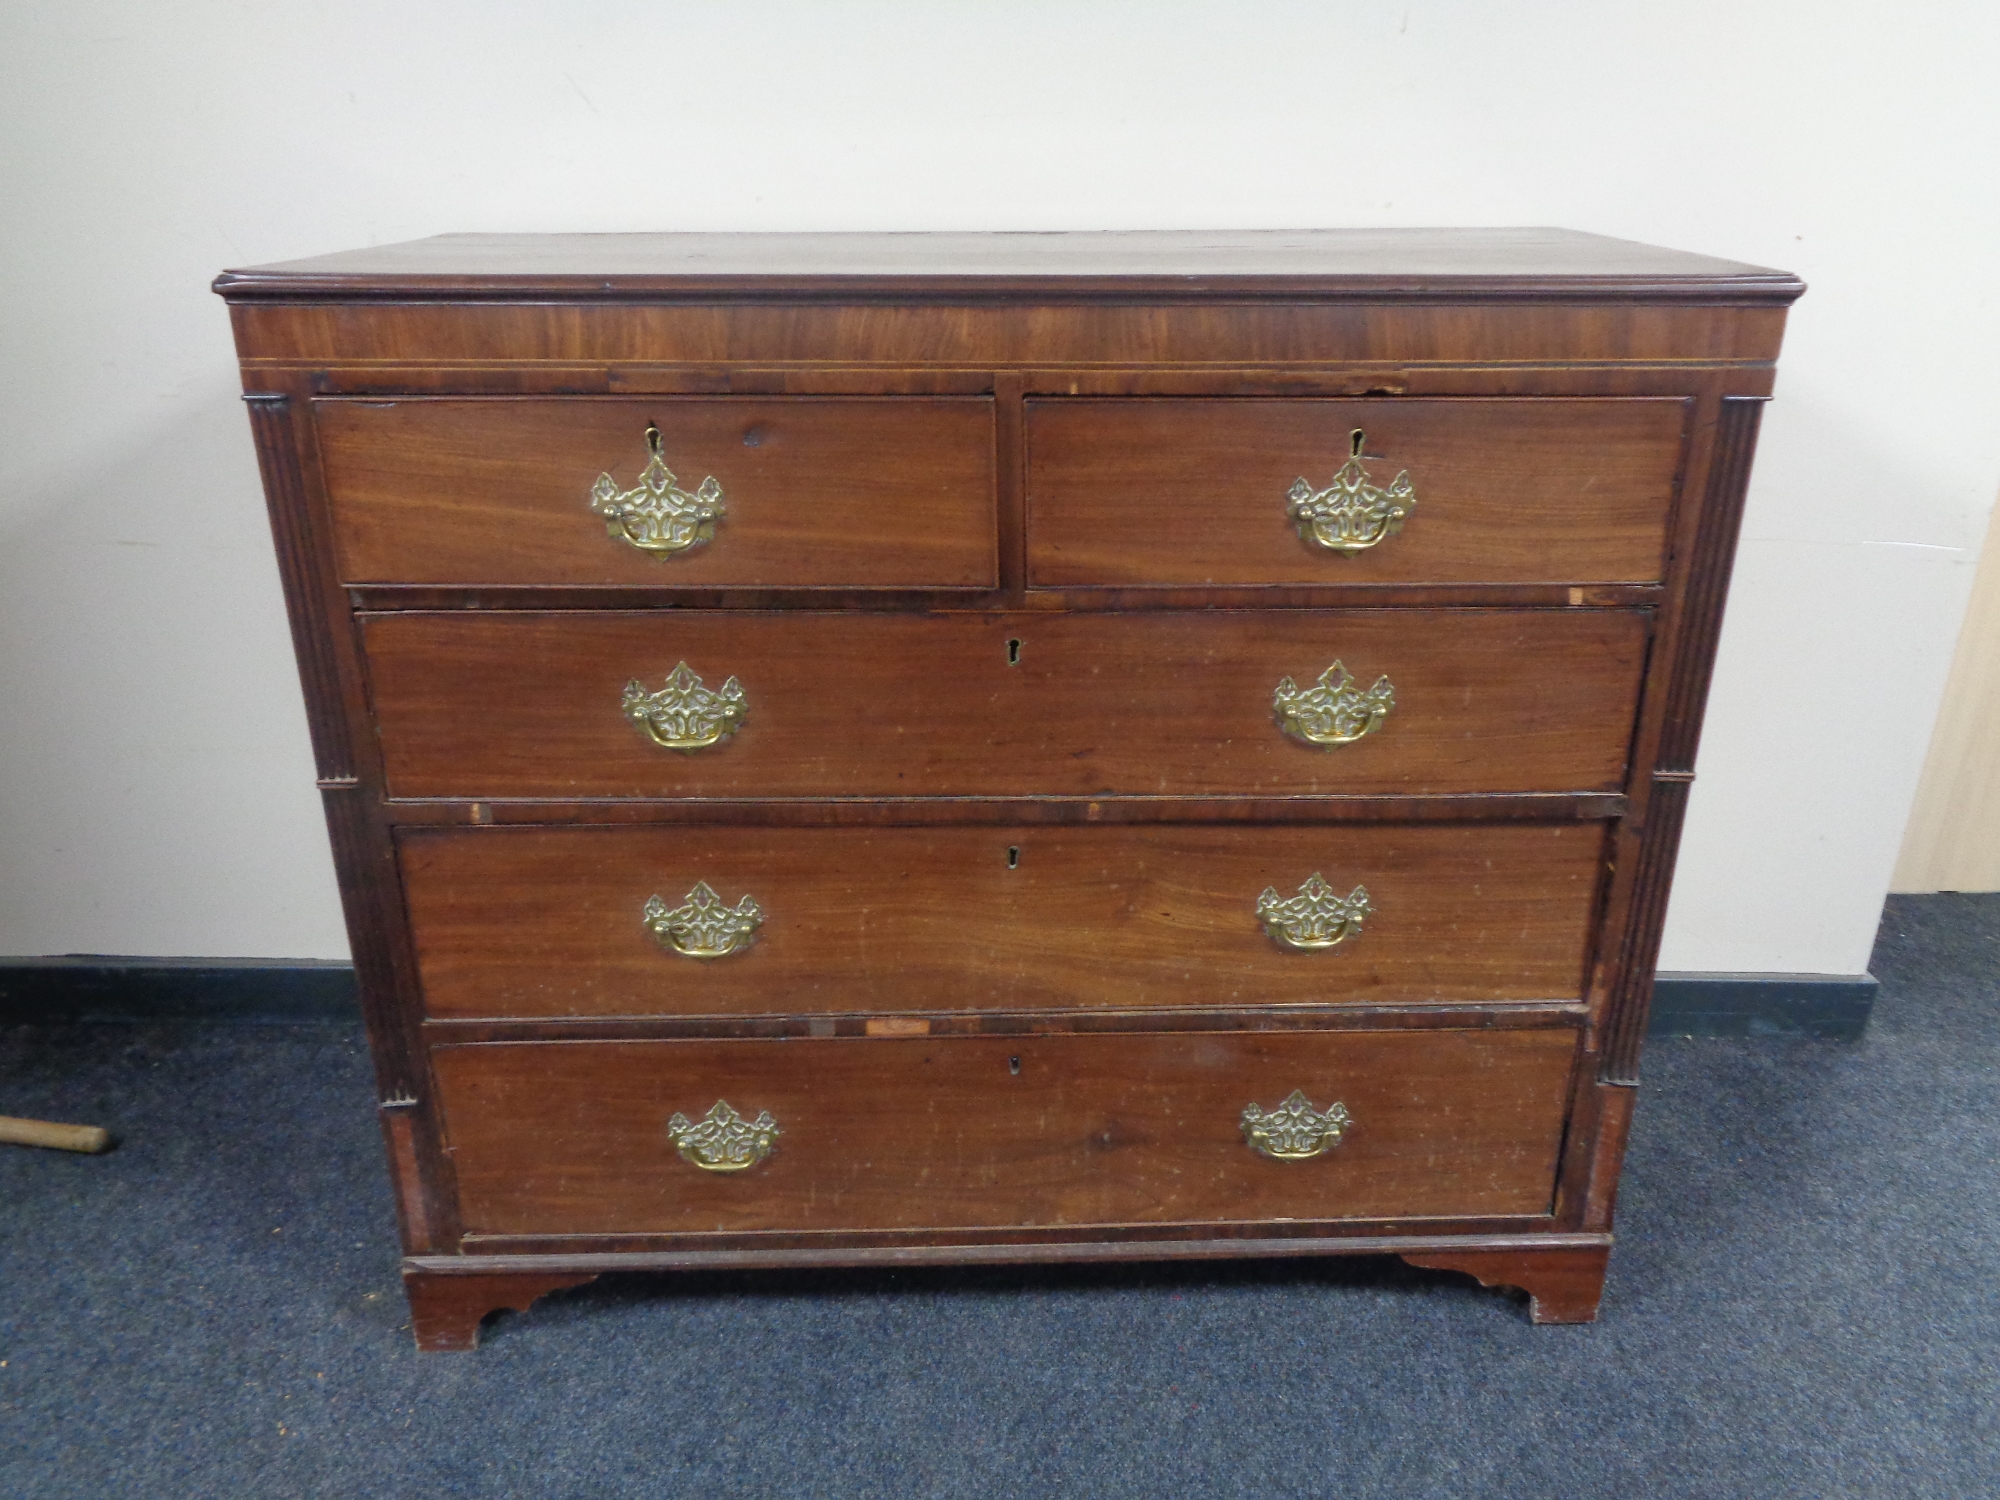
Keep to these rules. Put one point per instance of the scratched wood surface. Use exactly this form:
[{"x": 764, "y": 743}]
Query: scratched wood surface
[
  {"x": 832, "y": 491},
  {"x": 1539, "y": 262},
  {"x": 493, "y": 705},
  {"x": 547, "y": 922},
  {"x": 572, "y": 1138},
  {"x": 1093, "y": 424},
  {"x": 1194, "y": 491},
  {"x": 615, "y": 341}
]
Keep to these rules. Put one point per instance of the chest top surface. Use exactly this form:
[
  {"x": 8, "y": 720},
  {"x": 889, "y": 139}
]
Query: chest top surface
[{"x": 1423, "y": 264}]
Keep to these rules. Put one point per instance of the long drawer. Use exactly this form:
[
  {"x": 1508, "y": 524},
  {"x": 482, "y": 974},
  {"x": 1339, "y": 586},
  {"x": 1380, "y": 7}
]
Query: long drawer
[
  {"x": 580, "y": 1138},
  {"x": 550, "y": 922},
  {"x": 1181, "y": 703},
  {"x": 807, "y": 492},
  {"x": 1493, "y": 490}
]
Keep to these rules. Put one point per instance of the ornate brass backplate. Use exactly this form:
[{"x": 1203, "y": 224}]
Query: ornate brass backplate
[
  {"x": 1294, "y": 1131},
  {"x": 1350, "y": 515},
  {"x": 1315, "y": 918},
  {"x": 722, "y": 1140},
  {"x": 702, "y": 927},
  {"x": 685, "y": 715},
  {"x": 1333, "y": 711},
  {"x": 657, "y": 515}
]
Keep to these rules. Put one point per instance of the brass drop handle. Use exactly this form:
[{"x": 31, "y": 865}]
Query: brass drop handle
[
  {"x": 722, "y": 1140},
  {"x": 1315, "y": 919},
  {"x": 1294, "y": 1131},
  {"x": 685, "y": 715},
  {"x": 701, "y": 926},
  {"x": 657, "y": 515},
  {"x": 1333, "y": 711},
  {"x": 1350, "y": 515}
]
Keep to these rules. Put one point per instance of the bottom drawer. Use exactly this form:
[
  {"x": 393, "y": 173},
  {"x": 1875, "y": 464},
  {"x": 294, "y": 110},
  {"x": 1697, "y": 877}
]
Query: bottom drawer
[{"x": 980, "y": 1132}]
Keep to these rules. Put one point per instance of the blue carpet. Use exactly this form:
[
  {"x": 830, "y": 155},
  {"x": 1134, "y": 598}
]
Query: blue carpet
[{"x": 1805, "y": 1301}]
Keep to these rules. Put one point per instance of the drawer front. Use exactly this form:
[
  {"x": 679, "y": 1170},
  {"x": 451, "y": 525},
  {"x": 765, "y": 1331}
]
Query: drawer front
[
  {"x": 1161, "y": 703},
  {"x": 531, "y": 922},
  {"x": 850, "y": 492},
  {"x": 987, "y": 1132},
  {"x": 1501, "y": 491}
]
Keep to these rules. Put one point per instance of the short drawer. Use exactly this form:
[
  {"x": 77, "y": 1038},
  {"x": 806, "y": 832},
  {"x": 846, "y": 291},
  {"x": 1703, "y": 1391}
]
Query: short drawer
[
  {"x": 534, "y": 922},
  {"x": 814, "y": 492},
  {"x": 581, "y": 1138},
  {"x": 1165, "y": 703},
  {"x": 1499, "y": 491}
]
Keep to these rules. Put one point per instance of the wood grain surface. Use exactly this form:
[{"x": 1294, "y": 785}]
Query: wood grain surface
[
  {"x": 1194, "y": 491},
  {"x": 1086, "y": 334},
  {"x": 502, "y": 705},
  {"x": 446, "y": 1311},
  {"x": 1432, "y": 263},
  {"x": 547, "y": 922},
  {"x": 857, "y": 492},
  {"x": 571, "y": 1138},
  {"x": 1564, "y": 1283},
  {"x": 1008, "y": 581}
]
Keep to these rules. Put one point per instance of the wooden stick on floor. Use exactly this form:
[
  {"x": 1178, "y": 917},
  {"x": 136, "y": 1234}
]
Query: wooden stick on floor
[{"x": 89, "y": 1138}]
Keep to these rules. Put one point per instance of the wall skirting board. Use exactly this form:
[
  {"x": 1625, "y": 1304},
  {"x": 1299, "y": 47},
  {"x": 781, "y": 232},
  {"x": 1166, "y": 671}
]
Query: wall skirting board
[
  {"x": 254, "y": 991},
  {"x": 277, "y": 991},
  {"x": 1834, "y": 1006}
]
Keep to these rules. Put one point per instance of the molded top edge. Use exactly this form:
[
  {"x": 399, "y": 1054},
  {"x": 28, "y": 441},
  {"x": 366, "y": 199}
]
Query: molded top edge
[{"x": 1365, "y": 264}]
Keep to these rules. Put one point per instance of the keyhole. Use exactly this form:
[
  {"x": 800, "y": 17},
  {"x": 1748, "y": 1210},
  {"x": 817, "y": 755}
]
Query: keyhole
[
  {"x": 1014, "y": 1066},
  {"x": 653, "y": 439},
  {"x": 1013, "y": 856},
  {"x": 1014, "y": 652},
  {"x": 1357, "y": 439}
]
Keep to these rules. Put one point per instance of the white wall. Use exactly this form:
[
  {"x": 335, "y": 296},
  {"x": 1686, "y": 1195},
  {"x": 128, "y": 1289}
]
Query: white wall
[{"x": 155, "y": 785}]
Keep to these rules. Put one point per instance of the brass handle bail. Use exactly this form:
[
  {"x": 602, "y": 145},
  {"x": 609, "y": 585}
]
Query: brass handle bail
[
  {"x": 701, "y": 926},
  {"x": 1294, "y": 1131},
  {"x": 1333, "y": 711},
  {"x": 685, "y": 715},
  {"x": 1315, "y": 919},
  {"x": 657, "y": 515},
  {"x": 1351, "y": 514},
  {"x": 722, "y": 1140}
]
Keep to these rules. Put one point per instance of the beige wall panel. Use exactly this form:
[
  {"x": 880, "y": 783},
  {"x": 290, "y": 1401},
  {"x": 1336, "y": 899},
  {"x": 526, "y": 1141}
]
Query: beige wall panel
[{"x": 1953, "y": 841}]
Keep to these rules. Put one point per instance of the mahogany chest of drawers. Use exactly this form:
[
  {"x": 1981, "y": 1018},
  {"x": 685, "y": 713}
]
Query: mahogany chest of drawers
[{"x": 868, "y": 749}]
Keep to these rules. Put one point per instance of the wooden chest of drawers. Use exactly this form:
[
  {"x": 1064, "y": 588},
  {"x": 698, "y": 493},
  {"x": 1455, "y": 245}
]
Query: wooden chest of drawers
[{"x": 882, "y": 749}]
